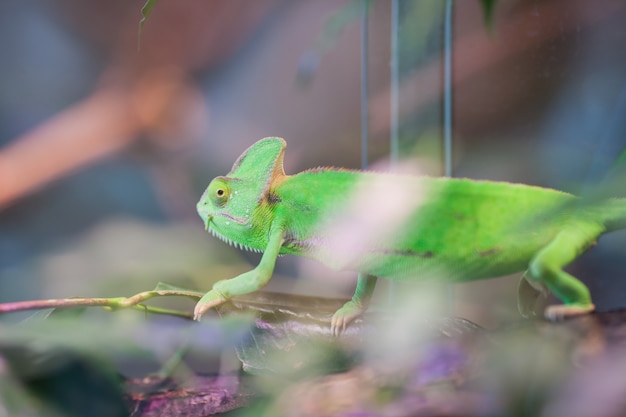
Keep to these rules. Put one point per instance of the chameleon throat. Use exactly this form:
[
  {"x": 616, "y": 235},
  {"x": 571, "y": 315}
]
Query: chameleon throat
[{"x": 232, "y": 243}]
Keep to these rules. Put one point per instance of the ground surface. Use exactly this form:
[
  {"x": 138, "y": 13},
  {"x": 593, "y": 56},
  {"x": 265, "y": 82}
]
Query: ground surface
[{"x": 295, "y": 368}]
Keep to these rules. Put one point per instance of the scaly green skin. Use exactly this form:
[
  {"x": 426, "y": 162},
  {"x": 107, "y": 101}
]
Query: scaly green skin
[{"x": 463, "y": 230}]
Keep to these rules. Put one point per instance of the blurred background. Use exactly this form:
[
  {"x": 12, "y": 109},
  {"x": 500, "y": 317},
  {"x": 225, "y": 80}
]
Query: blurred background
[{"x": 105, "y": 148}]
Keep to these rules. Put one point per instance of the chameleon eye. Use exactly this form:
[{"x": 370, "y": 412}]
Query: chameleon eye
[{"x": 220, "y": 194}]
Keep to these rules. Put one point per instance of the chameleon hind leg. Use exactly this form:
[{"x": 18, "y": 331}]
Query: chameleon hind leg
[
  {"x": 356, "y": 306},
  {"x": 546, "y": 268}
]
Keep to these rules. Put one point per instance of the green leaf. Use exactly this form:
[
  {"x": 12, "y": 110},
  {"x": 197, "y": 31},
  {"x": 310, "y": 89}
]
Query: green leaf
[
  {"x": 146, "y": 10},
  {"x": 166, "y": 286},
  {"x": 489, "y": 7}
]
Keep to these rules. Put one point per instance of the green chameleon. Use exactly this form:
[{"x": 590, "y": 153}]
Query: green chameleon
[{"x": 460, "y": 230}]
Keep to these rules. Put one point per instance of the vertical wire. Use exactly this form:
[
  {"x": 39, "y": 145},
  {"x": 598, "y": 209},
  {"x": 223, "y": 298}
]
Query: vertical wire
[
  {"x": 395, "y": 17},
  {"x": 393, "y": 110},
  {"x": 364, "y": 87},
  {"x": 447, "y": 89},
  {"x": 447, "y": 116}
]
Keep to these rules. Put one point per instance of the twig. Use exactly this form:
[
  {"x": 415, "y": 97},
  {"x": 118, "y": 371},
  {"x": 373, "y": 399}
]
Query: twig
[{"x": 108, "y": 303}]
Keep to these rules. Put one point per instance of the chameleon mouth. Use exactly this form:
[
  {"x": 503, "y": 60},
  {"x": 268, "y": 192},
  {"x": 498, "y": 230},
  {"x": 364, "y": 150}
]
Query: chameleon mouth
[{"x": 225, "y": 239}]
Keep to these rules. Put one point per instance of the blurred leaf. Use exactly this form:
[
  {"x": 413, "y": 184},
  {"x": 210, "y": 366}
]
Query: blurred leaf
[
  {"x": 65, "y": 313},
  {"x": 166, "y": 286},
  {"x": 58, "y": 382},
  {"x": 146, "y": 10},
  {"x": 333, "y": 28},
  {"x": 70, "y": 312},
  {"x": 81, "y": 387},
  {"x": 336, "y": 23},
  {"x": 14, "y": 398},
  {"x": 180, "y": 254},
  {"x": 39, "y": 315},
  {"x": 114, "y": 335},
  {"x": 619, "y": 165},
  {"x": 489, "y": 7},
  {"x": 69, "y": 364},
  {"x": 418, "y": 33}
]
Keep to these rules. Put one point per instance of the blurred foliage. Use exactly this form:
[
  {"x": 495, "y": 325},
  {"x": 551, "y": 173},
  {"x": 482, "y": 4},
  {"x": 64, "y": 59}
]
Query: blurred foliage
[
  {"x": 418, "y": 40},
  {"x": 59, "y": 357},
  {"x": 525, "y": 369},
  {"x": 146, "y": 10},
  {"x": 70, "y": 364},
  {"x": 417, "y": 21},
  {"x": 125, "y": 256},
  {"x": 65, "y": 354},
  {"x": 330, "y": 33},
  {"x": 489, "y": 7}
]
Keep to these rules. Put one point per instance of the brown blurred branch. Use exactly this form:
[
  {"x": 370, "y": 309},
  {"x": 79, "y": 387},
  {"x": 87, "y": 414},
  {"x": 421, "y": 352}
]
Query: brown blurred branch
[
  {"x": 114, "y": 303},
  {"x": 139, "y": 93},
  {"x": 102, "y": 124}
]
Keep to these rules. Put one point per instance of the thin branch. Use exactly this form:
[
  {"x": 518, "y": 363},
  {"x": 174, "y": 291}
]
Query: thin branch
[{"x": 108, "y": 303}]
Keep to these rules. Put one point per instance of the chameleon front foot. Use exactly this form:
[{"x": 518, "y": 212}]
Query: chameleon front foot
[
  {"x": 344, "y": 316},
  {"x": 209, "y": 300},
  {"x": 562, "y": 311}
]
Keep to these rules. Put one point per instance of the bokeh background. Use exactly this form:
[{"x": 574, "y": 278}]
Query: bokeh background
[{"x": 105, "y": 149}]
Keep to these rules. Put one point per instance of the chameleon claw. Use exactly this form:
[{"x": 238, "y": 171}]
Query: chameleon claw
[
  {"x": 344, "y": 316},
  {"x": 338, "y": 326},
  {"x": 209, "y": 300}
]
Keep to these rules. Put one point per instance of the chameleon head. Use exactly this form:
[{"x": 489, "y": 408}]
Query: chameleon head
[
  {"x": 226, "y": 212},
  {"x": 231, "y": 206}
]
